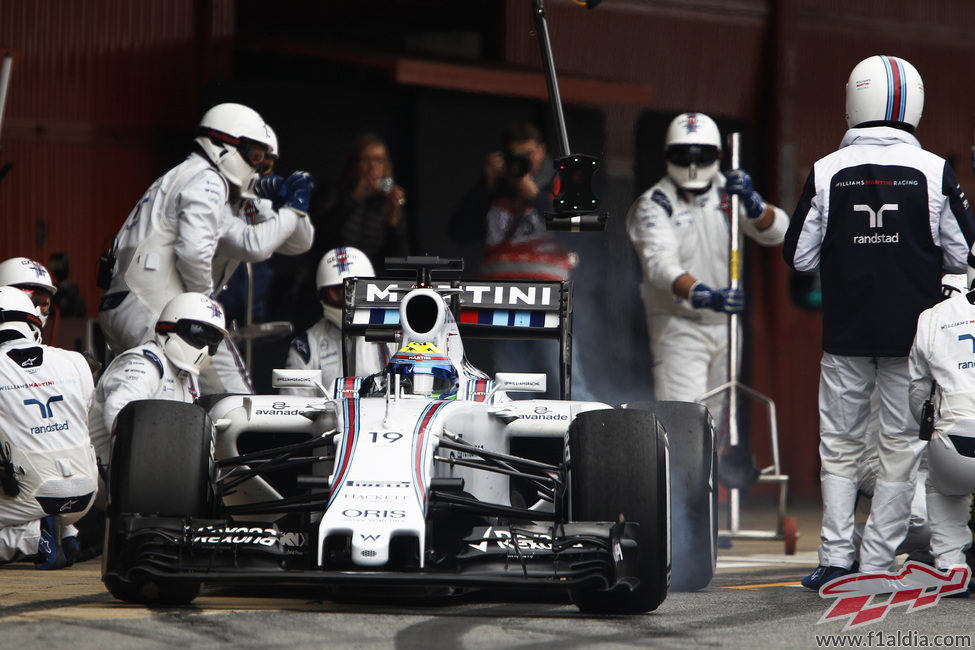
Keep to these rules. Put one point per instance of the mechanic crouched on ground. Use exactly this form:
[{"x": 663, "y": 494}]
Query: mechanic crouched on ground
[
  {"x": 49, "y": 475},
  {"x": 188, "y": 333},
  {"x": 942, "y": 376}
]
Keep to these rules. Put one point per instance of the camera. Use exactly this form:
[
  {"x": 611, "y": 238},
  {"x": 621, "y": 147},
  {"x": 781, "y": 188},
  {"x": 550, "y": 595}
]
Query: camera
[{"x": 516, "y": 164}]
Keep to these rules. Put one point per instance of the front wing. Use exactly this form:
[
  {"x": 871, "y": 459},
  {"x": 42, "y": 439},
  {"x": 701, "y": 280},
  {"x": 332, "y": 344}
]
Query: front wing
[{"x": 217, "y": 551}]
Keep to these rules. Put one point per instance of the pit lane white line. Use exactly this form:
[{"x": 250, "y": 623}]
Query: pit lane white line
[{"x": 747, "y": 561}]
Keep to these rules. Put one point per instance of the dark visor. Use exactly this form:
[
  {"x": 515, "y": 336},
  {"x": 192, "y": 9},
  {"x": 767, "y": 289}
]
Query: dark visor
[
  {"x": 195, "y": 333},
  {"x": 684, "y": 155}
]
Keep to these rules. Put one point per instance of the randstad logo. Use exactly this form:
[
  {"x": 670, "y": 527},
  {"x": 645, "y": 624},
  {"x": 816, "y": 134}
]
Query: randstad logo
[{"x": 875, "y": 219}]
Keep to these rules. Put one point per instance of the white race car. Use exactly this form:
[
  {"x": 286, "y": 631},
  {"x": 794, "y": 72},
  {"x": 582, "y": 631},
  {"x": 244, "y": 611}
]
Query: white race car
[{"x": 397, "y": 480}]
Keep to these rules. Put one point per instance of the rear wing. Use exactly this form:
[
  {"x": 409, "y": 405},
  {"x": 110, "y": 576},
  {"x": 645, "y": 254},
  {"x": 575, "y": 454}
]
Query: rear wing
[{"x": 482, "y": 309}]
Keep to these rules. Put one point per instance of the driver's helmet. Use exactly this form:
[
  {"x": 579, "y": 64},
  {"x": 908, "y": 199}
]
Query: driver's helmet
[{"x": 424, "y": 370}]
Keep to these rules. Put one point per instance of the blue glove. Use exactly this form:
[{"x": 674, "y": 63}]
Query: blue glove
[
  {"x": 297, "y": 193},
  {"x": 730, "y": 301},
  {"x": 740, "y": 182},
  {"x": 271, "y": 187}
]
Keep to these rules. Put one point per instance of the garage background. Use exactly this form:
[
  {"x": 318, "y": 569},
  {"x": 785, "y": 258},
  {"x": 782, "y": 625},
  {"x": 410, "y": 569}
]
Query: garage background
[{"x": 105, "y": 94}]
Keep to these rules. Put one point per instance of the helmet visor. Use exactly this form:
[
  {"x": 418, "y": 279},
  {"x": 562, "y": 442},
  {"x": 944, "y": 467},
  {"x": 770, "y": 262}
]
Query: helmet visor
[
  {"x": 40, "y": 298},
  {"x": 424, "y": 378},
  {"x": 685, "y": 155},
  {"x": 255, "y": 153},
  {"x": 199, "y": 334}
]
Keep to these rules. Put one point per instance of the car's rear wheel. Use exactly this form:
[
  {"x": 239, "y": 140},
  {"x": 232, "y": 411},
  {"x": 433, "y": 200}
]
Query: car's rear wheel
[
  {"x": 618, "y": 471},
  {"x": 693, "y": 492},
  {"x": 162, "y": 464}
]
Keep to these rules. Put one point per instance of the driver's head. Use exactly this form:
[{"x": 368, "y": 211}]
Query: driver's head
[{"x": 424, "y": 370}]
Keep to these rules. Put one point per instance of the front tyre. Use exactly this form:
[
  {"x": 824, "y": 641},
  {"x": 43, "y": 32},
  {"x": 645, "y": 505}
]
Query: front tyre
[
  {"x": 162, "y": 464},
  {"x": 618, "y": 471}
]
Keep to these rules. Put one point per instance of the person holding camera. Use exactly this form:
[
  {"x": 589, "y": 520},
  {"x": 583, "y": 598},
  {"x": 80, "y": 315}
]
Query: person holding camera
[
  {"x": 370, "y": 208},
  {"x": 506, "y": 211}
]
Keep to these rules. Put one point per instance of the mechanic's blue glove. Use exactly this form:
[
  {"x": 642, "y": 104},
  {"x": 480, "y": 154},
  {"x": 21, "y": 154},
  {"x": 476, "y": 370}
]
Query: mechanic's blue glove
[
  {"x": 271, "y": 187},
  {"x": 730, "y": 301},
  {"x": 740, "y": 182},
  {"x": 298, "y": 189}
]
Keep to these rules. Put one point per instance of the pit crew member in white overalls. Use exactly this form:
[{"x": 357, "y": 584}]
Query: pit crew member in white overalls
[
  {"x": 33, "y": 279},
  {"x": 49, "y": 471},
  {"x": 881, "y": 219},
  {"x": 320, "y": 346},
  {"x": 168, "y": 243},
  {"x": 680, "y": 230},
  {"x": 188, "y": 332},
  {"x": 942, "y": 368}
]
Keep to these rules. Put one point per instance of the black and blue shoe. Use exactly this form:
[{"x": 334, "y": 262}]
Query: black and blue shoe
[
  {"x": 822, "y": 575},
  {"x": 50, "y": 554}
]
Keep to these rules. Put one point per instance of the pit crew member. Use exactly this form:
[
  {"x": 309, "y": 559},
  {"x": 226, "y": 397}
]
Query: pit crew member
[
  {"x": 679, "y": 228},
  {"x": 168, "y": 243},
  {"x": 48, "y": 470},
  {"x": 320, "y": 346},
  {"x": 942, "y": 369},
  {"x": 881, "y": 219}
]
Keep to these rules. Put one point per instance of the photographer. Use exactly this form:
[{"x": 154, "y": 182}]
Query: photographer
[{"x": 506, "y": 210}]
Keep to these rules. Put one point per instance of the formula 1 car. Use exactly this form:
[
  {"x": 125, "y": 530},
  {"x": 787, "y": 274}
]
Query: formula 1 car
[{"x": 383, "y": 481}]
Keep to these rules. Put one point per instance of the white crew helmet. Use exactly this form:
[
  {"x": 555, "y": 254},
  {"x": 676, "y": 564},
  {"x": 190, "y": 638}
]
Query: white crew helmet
[
  {"x": 693, "y": 150},
  {"x": 953, "y": 284},
  {"x": 884, "y": 89},
  {"x": 238, "y": 141},
  {"x": 31, "y": 277},
  {"x": 19, "y": 314},
  {"x": 336, "y": 265},
  {"x": 190, "y": 328}
]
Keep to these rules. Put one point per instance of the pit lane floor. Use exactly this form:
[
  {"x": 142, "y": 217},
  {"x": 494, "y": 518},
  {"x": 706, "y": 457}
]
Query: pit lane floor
[{"x": 754, "y": 601}]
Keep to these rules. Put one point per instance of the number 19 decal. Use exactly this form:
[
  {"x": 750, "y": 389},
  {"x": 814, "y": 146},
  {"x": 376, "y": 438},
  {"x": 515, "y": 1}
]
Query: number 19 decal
[{"x": 389, "y": 437}]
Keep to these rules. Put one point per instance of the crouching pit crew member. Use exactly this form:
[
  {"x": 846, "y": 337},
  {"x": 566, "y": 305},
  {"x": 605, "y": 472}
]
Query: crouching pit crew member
[{"x": 48, "y": 464}]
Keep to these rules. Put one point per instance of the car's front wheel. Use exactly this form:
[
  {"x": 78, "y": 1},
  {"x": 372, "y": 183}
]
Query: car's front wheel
[
  {"x": 162, "y": 464},
  {"x": 618, "y": 471}
]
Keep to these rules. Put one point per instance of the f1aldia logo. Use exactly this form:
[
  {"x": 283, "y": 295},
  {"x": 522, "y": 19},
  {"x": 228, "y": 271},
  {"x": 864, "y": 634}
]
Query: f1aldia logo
[{"x": 864, "y": 598}]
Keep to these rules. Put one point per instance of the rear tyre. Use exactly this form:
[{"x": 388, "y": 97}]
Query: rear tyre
[
  {"x": 693, "y": 493},
  {"x": 619, "y": 472},
  {"x": 162, "y": 464}
]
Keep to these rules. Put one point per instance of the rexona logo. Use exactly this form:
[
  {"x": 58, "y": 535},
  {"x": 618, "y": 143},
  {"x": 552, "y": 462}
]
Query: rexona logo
[
  {"x": 236, "y": 535},
  {"x": 864, "y": 598},
  {"x": 520, "y": 541}
]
